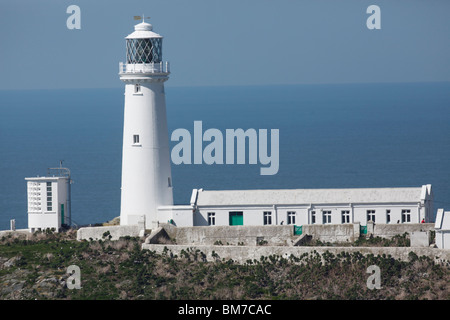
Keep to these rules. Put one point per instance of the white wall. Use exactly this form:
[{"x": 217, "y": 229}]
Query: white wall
[
  {"x": 253, "y": 215},
  {"x": 443, "y": 239},
  {"x": 42, "y": 221},
  {"x": 145, "y": 165},
  {"x": 442, "y": 227},
  {"x": 182, "y": 216}
]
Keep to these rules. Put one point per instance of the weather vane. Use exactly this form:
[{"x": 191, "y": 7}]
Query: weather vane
[{"x": 141, "y": 17}]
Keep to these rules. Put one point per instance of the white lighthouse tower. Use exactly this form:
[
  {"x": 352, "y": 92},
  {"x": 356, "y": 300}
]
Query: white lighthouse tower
[{"x": 146, "y": 173}]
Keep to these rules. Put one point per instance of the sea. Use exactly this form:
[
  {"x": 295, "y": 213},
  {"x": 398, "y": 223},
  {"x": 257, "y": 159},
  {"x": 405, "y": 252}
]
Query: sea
[{"x": 330, "y": 136}]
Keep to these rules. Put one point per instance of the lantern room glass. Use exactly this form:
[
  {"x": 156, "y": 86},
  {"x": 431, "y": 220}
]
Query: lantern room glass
[{"x": 144, "y": 50}]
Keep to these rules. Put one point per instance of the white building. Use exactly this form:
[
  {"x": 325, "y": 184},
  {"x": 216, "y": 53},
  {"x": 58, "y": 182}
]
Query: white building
[
  {"x": 48, "y": 203},
  {"x": 442, "y": 227},
  {"x": 303, "y": 206},
  {"x": 146, "y": 173}
]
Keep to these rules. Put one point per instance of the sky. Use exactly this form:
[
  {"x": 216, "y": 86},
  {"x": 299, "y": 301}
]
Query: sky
[{"x": 224, "y": 43}]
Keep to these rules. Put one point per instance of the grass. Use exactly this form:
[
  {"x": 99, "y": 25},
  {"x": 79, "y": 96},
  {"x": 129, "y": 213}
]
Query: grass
[{"x": 121, "y": 270}]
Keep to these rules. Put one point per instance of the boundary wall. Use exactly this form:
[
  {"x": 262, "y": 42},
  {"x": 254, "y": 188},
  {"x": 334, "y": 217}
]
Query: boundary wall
[{"x": 241, "y": 254}]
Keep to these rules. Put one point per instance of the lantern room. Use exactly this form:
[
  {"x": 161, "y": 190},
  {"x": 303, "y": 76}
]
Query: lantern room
[{"x": 144, "y": 45}]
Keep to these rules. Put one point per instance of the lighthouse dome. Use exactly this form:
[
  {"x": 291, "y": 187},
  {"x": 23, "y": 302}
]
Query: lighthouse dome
[
  {"x": 143, "y": 30},
  {"x": 143, "y": 26}
]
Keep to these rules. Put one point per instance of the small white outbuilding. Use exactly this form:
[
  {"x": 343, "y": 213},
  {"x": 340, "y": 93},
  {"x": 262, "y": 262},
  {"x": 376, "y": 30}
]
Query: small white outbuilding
[
  {"x": 48, "y": 203},
  {"x": 442, "y": 227}
]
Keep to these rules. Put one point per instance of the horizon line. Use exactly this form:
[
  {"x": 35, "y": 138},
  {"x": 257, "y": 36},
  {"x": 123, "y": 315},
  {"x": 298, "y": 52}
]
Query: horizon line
[{"x": 244, "y": 85}]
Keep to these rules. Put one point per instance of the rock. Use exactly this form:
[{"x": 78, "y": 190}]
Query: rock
[
  {"x": 113, "y": 222},
  {"x": 2, "y": 261},
  {"x": 12, "y": 284},
  {"x": 47, "y": 287},
  {"x": 11, "y": 262},
  {"x": 47, "y": 282}
]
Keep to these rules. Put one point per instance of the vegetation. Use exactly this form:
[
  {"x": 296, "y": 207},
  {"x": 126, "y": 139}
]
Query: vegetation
[{"x": 37, "y": 269}]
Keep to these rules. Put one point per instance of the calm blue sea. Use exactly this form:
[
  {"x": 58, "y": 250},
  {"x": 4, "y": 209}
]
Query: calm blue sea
[{"x": 331, "y": 136}]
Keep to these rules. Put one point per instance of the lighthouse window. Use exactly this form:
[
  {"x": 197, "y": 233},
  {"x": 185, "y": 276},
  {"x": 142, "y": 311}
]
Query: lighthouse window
[
  {"x": 137, "y": 88},
  {"x": 136, "y": 139}
]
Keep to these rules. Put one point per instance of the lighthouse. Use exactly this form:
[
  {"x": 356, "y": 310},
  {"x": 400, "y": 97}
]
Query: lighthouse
[{"x": 146, "y": 172}]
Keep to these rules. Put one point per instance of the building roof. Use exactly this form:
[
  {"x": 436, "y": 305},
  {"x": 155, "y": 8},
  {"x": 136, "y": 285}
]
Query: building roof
[
  {"x": 442, "y": 220},
  {"x": 310, "y": 196},
  {"x": 52, "y": 178}
]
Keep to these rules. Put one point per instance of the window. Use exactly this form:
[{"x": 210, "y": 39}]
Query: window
[
  {"x": 326, "y": 217},
  {"x": 169, "y": 183},
  {"x": 388, "y": 216},
  {"x": 267, "y": 217},
  {"x": 371, "y": 215},
  {"x": 49, "y": 196},
  {"x": 137, "y": 88},
  {"x": 313, "y": 217},
  {"x": 406, "y": 216},
  {"x": 345, "y": 216},
  {"x": 211, "y": 218},
  {"x": 136, "y": 139},
  {"x": 291, "y": 217}
]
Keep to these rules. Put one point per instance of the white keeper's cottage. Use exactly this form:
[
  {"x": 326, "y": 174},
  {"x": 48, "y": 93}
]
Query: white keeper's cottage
[
  {"x": 314, "y": 206},
  {"x": 303, "y": 206}
]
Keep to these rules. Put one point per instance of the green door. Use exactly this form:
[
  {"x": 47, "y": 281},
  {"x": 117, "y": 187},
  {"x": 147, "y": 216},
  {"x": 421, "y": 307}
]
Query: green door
[
  {"x": 236, "y": 218},
  {"x": 62, "y": 213}
]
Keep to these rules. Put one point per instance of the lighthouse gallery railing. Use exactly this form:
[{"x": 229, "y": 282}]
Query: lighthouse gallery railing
[{"x": 161, "y": 67}]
